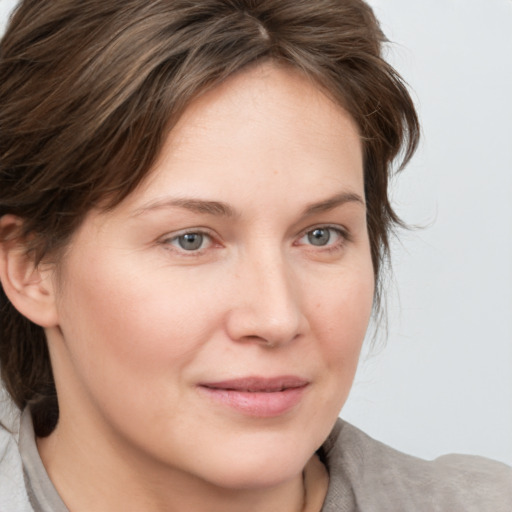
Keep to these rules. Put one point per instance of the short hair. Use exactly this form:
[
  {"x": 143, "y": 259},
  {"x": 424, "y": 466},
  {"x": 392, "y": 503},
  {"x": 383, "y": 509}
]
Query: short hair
[{"x": 91, "y": 88}]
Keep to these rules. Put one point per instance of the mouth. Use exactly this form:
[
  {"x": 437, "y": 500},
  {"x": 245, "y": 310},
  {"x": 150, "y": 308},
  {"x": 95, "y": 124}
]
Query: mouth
[{"x": 257, "y": 396}]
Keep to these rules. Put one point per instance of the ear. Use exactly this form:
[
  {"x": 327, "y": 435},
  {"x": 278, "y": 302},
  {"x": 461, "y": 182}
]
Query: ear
[{"x": 30, "y": 288}]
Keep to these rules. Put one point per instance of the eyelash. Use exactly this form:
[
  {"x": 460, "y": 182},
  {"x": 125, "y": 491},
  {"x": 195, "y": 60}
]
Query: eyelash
[
  {"x": 343, "y": 235},
  {"x": 175, "y": 238}
]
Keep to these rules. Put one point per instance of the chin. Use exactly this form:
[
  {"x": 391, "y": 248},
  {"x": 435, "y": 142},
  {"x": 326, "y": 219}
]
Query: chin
[
  {"x": 258, "y": 462},
  {"x": 253, "y": 476}
]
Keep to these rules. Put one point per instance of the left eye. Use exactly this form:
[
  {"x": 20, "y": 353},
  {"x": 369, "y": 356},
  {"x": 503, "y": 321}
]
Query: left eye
[
  {"x": 322, "y": 236},
  {"x": 192, "y": 241}
]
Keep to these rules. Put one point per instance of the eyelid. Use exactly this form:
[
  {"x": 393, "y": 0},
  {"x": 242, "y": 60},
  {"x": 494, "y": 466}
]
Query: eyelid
[
  {"x": 170, "y": 237},
  {"x": 343, "y": 233}
]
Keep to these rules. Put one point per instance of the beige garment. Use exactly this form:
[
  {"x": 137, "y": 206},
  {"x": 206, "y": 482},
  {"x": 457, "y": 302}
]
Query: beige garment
[{"x": 368, "y": 476}]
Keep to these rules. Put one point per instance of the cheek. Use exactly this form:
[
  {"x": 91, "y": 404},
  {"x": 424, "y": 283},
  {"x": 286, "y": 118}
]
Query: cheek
[
  {"x": 125, "y": 323},
  {"x": 341, "y": 313},
  {"x": 343, "y": 306}
]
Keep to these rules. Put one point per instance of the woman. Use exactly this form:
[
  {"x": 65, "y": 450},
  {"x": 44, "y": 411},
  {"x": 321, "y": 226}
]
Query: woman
[{"x": 194, "y": 219}]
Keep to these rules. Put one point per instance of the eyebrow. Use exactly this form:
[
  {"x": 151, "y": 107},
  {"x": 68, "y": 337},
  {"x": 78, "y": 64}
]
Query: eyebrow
[
  {"x": 218, "y": 208},
  {"x": 333, "y": 202}
]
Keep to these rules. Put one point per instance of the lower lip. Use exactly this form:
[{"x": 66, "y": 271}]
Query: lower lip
[{"x": 258, "y": 404}]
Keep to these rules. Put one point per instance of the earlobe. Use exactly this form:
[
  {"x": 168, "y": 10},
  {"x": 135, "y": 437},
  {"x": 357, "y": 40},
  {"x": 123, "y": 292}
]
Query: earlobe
[{"x": 30, "y": 288}]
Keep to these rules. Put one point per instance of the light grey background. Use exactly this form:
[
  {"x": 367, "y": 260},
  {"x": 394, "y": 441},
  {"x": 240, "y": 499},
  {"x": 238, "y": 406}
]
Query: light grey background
[
  {"x": 444, "y": 381},
  {"x": 5, "y": 7}
]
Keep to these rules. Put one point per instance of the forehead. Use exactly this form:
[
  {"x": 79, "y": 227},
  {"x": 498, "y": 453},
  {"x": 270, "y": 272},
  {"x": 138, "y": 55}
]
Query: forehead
[
  {"x": 269, "y": 128},
  {"x": 263, "y": 93}
]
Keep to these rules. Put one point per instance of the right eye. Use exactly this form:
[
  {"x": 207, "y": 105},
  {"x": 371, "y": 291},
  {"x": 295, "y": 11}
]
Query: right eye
[{"x": 190, "y": 241}]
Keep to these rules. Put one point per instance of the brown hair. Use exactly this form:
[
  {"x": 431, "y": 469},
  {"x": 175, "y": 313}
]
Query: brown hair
[{"x": 90, "y": 89}]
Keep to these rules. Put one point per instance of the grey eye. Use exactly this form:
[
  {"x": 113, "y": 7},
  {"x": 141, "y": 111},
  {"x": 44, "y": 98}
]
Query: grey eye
[
  {"x": 190, "y": 241},
  {"x": 319, "y": 236}
]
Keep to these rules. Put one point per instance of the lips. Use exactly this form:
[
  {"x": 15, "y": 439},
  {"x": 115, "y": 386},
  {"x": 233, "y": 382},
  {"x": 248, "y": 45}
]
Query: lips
[
  {"x": 257, "y": 396},
  {"x": 259, "y": 384}
]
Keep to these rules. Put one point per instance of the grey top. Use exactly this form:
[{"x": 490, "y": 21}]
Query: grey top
[
  {"x": 364, "y": 476},
  {"x": 368, "y": 476}
]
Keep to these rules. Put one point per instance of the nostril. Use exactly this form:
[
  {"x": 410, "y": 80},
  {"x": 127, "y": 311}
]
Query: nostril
[{"x": 270, "y": 344}]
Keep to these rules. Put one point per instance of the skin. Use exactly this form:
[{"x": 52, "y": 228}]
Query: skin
[{"x": 140, "y": 322}]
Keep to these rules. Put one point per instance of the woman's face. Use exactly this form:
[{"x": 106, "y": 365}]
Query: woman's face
[{"x": 211, "y": 323}]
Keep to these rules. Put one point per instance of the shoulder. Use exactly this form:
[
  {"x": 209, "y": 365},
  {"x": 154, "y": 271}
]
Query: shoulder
[
  {"x": 384, "y": 479},
  {"x": 13, "y": 493}
]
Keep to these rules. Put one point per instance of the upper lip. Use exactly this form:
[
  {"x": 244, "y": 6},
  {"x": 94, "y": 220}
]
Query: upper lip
[{"x": 258, "y": 384}]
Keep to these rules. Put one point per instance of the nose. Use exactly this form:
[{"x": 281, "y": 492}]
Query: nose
[{"x": 267, "y": 306}]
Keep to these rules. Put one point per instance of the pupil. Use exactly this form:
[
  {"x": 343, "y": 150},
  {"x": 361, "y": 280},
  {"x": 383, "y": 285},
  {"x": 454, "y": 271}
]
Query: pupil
[
  {"x": 191, "y": 241},
  {"x": 319, "y": 236}
]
